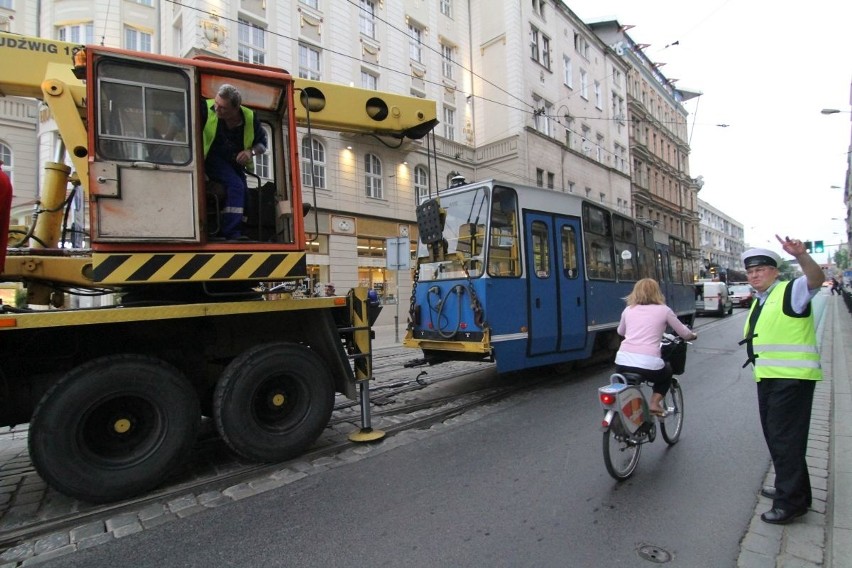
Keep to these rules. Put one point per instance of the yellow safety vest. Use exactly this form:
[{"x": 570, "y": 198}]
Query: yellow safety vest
[
  {"x": 213, "y": 123},
  {"x": 784, "y": 345}
]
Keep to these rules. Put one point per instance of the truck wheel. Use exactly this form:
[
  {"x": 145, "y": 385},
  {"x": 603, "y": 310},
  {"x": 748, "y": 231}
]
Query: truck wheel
[
  {"x": 273, "y": 401},
  {"x": 113, "y": 427}
]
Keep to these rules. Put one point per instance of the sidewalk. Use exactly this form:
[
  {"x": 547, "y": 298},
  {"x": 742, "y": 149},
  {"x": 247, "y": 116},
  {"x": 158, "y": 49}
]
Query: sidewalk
[{"x": 823, "y": 537}]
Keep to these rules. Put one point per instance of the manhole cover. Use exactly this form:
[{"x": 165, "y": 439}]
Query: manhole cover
[{"x": 654, "y": 554}]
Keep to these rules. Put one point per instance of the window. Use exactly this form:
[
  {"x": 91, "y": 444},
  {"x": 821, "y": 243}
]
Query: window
[
  {"x": 581, "y": 46},
  {"x": 311, "y": 3},
  {"x": 252, "y": 43},
  {"x": 447, "y": 8},
  {"x": 313, "y": 148},
  {"x": 598, "y": 231},
  {"x": 263, "y": 162},
  {"x": 80, "y": 33},
  {"x": 449, "y": 123},
  {"x": 538, "y": 7},
  {"x": 624, "y": 233},
  {"x": 503, "y": 242},
  {"x": 550, "y": 180},
  {"x": 539, "y": 47},
  {"x": 373, "y": 177},
  {"x": 567, "y": 72},
  {"x": 447, "y": 53},
  {"x": 540, "y": 249},
  {"x": 367, "y": 18},
  {"x": 598, "y": 96},
  {"x": 309, "y": 62},
  {"x": 369, "y": 81},
  {"x": 584, "y": 84},
  {"x": 142, "y": 113},
  {"x": 539, "y": 177},
  {"x": 6, "y": 158},
  {"x": 570, "y": 261},
  {"x": 415, "y": 43},
  {"x": 136, "y": 40},
  {"x": 542, "y": 116},
  {"x": 421, "y": 183}
]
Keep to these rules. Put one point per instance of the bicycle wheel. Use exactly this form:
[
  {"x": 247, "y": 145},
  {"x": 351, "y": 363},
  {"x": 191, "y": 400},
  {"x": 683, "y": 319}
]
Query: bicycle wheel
[
  {"x": 671, "y": 427},
  {"x": 620, "y": 456}
]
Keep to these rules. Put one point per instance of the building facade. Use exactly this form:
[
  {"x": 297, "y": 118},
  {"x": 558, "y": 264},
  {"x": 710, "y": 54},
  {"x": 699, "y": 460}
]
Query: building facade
[
  {"x": 721, "y": 242},
  {"x": 526, "y": 93}
]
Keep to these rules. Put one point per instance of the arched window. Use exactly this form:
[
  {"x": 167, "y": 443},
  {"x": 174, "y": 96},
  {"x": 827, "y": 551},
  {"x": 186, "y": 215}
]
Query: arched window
[
  {"x": 313, "y": 147},
  {"x": 421, "y": 183},
  {"x": 373, "y": 176}
]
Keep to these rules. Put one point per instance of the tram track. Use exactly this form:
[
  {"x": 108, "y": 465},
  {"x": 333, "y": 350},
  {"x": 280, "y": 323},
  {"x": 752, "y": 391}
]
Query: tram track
[{"x": 230, "y": 471}]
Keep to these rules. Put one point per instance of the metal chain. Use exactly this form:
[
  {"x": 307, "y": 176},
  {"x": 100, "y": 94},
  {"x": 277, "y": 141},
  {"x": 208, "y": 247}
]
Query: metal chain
[{"x": 412, "y": 305}]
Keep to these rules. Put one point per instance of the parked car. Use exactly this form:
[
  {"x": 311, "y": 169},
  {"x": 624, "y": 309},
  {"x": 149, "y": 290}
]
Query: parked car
[
  {"x": 712, "y": 298},
  {"x": 742, "y": 295}
]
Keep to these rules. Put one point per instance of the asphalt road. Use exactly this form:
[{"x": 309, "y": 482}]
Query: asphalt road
[{"x": 523, "y": 484}]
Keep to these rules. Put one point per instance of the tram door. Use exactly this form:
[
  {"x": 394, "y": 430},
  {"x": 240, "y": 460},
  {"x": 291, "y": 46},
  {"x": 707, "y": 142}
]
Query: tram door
[{"x": 556, "y": 293}]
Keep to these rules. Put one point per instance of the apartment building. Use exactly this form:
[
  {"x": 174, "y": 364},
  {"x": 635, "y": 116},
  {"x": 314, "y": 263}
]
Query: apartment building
[
  {"x": 526, "y": 93},
  {"x": 721, "y": 242},
  {"x": 663, "y": 190}
]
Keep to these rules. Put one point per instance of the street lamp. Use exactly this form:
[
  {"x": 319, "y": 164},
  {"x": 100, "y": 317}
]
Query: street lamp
[{"x": 832, "y": 111}]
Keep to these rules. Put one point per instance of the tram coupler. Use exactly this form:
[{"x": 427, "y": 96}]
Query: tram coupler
[{"x": 362, "y": 314}]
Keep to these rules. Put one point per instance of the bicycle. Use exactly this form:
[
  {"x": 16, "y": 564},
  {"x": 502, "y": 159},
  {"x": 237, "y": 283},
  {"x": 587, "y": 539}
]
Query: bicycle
[{"x": 627, "y": 422}]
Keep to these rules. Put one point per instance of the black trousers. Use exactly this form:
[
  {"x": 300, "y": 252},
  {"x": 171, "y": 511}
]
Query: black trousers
[
  {"x": 660, "y": 379},
  {"x": 785, "y": 415}
]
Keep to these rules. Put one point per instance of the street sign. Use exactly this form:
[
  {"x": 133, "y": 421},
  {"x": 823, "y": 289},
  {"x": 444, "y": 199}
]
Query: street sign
[{"x": 399, "y": 253}]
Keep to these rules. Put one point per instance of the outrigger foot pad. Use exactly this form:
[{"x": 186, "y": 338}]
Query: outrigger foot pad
[{"x": 366, "y": 435}]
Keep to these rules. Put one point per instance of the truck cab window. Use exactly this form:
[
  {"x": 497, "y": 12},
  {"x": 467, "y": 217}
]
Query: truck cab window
[{"x": 143, "y": 114}]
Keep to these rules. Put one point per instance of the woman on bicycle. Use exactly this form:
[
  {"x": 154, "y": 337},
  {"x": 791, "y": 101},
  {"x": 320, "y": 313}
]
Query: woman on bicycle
[{"x": 642, "y": 325}]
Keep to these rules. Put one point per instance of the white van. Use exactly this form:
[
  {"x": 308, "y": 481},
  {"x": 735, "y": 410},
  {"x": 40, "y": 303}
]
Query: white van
[{"x": 712, "y": 298}]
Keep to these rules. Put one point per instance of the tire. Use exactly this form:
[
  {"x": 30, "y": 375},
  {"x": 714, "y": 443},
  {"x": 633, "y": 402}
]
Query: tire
[
  {"x": 113, "y": 427},
  {"x": 620, "y": 456},
  {"x": 273, "y": 401},
  {"x": 672, "y": 426}
]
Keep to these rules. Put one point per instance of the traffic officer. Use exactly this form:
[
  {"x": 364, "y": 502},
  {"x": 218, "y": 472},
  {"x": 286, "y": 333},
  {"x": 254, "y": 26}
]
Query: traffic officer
[{"x": 781, "y": 343}]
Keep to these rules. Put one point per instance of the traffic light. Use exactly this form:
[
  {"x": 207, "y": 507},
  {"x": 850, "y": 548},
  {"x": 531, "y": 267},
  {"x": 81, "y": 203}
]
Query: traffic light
[
  {"x": 808, "y": 247},
  {"x": 818, "y": 246}
]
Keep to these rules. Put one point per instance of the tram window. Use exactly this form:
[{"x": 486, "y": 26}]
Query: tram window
[
  {"x": 540, "y": 249},
  {"x": 645, "y": 262},
  {"x": 677, "y": 269},
  {"x": 599, "y": 245},
  {"x": 661, "y": 263},
  {"x": 624, "y": 232},
  {"x": 569, "y": 252},
  {"x": 625, "y": 255},
  {"x": 503, "y": 246},
  {"x": 599, "y": 258}
]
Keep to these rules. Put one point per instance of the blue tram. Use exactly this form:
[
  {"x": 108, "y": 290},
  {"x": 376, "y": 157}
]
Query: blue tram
[{"x": 528, "y": 277}]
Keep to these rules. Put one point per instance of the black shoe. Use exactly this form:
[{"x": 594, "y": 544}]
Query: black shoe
[
  {"x": 776, "y": 516},
  {"x": 768, "y": 492}
]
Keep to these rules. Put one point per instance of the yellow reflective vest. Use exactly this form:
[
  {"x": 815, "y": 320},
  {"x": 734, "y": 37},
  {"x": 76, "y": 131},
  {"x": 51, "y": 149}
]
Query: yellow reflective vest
[
  {"x": 784, "y": 342},
  {"x": 213, "y": 123}
]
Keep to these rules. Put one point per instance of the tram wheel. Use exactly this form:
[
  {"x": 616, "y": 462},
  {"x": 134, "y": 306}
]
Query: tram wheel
[
  {"x": 113, "y": 427},
  {"x": 273, "y": 401}
]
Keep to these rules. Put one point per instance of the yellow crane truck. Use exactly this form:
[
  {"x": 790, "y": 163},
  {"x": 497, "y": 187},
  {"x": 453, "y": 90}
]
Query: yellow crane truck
[{"x": 114, "y": 395}]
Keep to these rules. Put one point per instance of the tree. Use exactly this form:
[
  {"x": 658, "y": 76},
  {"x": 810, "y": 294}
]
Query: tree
[{"x": 841, "y": 258}]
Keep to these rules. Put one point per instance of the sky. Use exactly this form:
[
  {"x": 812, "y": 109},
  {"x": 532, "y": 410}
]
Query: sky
[{"x": 766, "y": 70}]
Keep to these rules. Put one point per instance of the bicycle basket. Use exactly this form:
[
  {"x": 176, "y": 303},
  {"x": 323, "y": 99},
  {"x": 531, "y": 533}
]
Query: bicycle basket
[{"x": 675, "y": 355}]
